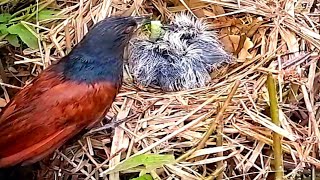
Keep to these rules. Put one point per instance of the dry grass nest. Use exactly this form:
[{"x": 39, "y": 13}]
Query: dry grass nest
[{"x": 267, "y": 37}]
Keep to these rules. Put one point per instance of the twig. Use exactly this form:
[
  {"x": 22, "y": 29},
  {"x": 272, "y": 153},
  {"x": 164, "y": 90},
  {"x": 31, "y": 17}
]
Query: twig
[
  {"x": 10, "y": 86},
  {"x": 220, "y": 143},
  {"x": 213, "y": 125},
  {"x": 216, "y": 173},
  {"x": 219, "y": 117}
]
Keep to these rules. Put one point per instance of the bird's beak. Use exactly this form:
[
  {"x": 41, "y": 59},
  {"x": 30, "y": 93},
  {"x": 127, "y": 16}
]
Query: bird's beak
[{"x": 143, "y": 20}]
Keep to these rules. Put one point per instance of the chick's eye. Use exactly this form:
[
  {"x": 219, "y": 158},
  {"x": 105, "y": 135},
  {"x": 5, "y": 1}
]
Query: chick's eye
[{"x": 129, "y": 29}]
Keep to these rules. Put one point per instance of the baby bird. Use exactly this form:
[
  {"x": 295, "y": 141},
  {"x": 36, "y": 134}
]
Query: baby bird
[{"x": 182, "y": 58}]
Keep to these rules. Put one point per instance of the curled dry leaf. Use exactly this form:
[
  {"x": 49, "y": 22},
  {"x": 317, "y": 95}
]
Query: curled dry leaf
[
  {"x": 3, "y": 102},
  {"x": 231, "y": 43}
]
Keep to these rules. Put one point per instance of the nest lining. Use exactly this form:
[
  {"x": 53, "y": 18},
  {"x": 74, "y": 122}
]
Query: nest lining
[{"x": 243, "y": 124}]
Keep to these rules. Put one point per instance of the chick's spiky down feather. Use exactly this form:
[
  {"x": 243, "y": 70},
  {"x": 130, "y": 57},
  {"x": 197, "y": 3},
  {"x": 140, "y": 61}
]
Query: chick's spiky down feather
[{"x": 182, "y": 58}]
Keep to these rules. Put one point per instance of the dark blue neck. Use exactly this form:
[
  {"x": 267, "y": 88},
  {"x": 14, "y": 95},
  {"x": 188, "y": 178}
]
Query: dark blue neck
[{"x": 93, "y": 67}]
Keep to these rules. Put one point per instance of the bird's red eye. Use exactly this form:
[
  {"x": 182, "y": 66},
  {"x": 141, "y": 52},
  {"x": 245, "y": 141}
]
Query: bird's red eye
[{"x": 129, "y": 29}]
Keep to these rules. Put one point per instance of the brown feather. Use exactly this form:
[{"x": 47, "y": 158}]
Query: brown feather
[
  {"x": 47, "y": 113},
  {"x": 67, "y": 98}
]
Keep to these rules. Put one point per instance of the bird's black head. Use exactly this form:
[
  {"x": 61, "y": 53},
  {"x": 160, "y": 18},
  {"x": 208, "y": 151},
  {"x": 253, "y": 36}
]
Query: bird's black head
[
  {"x": 99, "y": 56},
  {"x": 112, "y": 33}
]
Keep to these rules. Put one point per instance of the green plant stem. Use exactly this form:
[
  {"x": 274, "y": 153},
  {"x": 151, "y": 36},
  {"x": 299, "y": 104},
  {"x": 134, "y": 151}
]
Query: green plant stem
[
  {"x": 274, "y": 111},
  {"x": 29, "y": 8},
  {"x": 4, "y": 2},
  {"x": 21, "y": 11},
  {"x": 40, "y": 8}
]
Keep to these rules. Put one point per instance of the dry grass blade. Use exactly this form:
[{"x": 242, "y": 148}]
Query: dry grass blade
[{"x": 278, "y": 37}]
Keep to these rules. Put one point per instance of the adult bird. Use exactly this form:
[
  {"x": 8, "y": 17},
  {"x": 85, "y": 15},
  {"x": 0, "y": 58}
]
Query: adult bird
[{"x": 67, "y": 98}]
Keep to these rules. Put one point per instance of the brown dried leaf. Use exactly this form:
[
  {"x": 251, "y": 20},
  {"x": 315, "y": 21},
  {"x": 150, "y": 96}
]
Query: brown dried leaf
[
  {"x": 231, "y": 43},
  {"x": 3, "y": 102}
]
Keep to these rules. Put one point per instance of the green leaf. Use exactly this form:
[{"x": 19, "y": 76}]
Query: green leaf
[
  {"x": 150, "y": 161},
  {"x": 13, "y": 40},
  {"x": 4, "y": 18},
  {"x": 2, "y": 36},
  {"x": 46, "y": 14},
  {"x": 19, "y": 18},
  {"x": 3, "y": 29},
  {"x": 144, "y": 177},
  {"x": 24, "y": 34}
]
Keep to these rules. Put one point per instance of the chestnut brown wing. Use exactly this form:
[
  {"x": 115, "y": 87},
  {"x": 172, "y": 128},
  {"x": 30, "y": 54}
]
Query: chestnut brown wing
[{"x": 45, "y": 114}]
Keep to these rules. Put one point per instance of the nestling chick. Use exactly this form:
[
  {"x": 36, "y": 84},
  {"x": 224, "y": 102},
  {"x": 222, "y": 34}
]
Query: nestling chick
[
  {"x": 182, "y": 58},
  {"x": 67, "y": 98}
]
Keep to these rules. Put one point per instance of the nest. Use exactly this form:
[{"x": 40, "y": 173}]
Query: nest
[
  {"x": 278, "y": 38},
  {"x": 181, "y": 59}
]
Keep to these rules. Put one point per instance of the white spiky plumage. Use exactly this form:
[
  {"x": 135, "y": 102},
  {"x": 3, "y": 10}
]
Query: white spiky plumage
[{"x": 181, "y": 59}]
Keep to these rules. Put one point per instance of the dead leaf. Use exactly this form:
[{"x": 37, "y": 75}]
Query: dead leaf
[
  {"x": 3, "y": 102},
  {"x": 231, "y": 43}
]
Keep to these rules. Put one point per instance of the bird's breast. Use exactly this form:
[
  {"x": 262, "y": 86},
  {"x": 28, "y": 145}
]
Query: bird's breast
[
  {"x": 35, "y": 124},
  {"x": 91, "y": 69}
]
